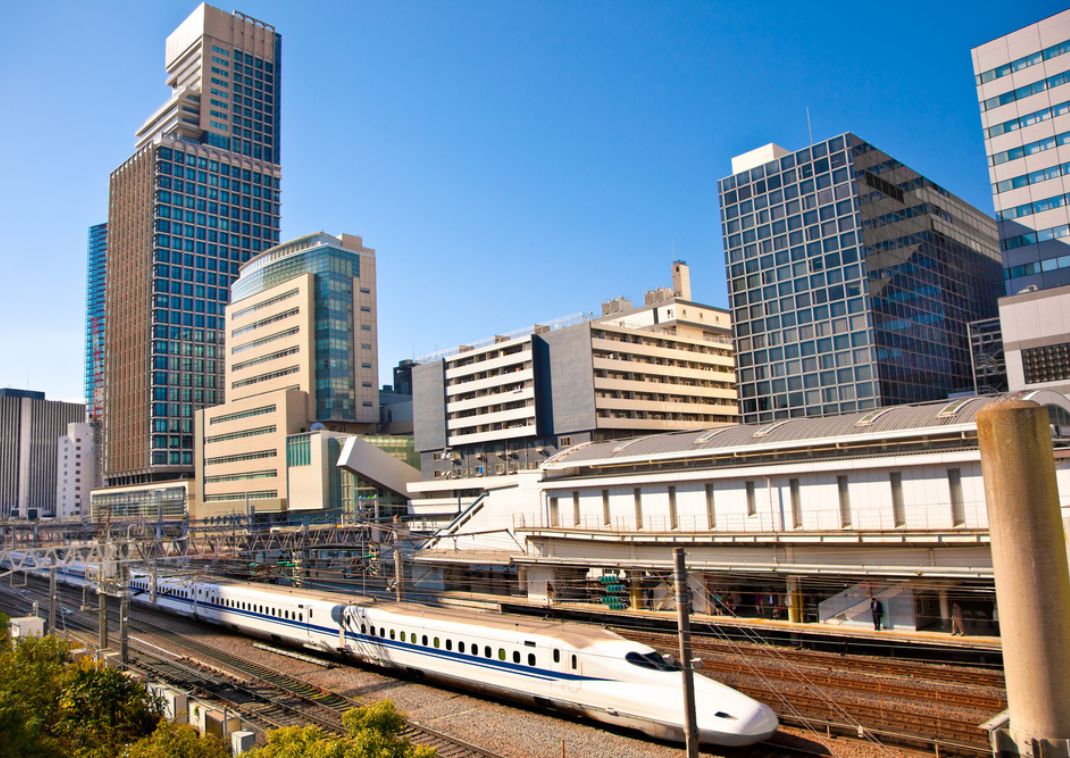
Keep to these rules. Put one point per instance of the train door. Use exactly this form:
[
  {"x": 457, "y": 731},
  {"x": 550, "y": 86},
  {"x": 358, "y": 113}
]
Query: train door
[{"x": 565, "y": 663}]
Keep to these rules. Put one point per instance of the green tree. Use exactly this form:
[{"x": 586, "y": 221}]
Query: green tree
[
  {"x": 100, "y": 710},
  {"x": 373, "y": 731},
  {"x": 172, "y": 740},
  {"x": 30, "y": 689}
]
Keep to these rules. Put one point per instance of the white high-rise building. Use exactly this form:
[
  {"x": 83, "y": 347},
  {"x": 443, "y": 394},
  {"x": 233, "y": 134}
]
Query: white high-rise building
[{"x": 77, "y": 471}]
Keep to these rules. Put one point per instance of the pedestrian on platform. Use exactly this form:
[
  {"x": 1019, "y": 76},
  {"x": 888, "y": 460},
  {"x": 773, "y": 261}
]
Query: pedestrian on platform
[
  {"x": 957, "y": 624},
  {"x": 877, "y": 610}
]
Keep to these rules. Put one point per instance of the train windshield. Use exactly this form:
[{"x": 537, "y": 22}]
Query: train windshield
[{"x": 651, "y": 661}]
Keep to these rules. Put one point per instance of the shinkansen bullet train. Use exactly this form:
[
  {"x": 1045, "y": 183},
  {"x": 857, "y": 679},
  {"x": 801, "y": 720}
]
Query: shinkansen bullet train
[{"x": 566, "y": 667}]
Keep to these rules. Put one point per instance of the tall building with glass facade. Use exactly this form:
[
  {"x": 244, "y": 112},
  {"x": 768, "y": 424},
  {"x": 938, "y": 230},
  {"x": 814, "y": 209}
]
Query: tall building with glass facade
[
  {"x": 94, "y": 321},
  {"x": 852, "y": 279},
  {"x": 301, "y": 355},
  {"x": 1023, "y": 91},
  {"x": 199, "y": 197}
]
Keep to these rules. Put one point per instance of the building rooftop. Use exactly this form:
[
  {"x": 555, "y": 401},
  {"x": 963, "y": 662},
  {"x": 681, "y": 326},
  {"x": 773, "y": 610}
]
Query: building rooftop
[
  {"x": 898, "y": 421},
  {"x": 31, "y": 394}
]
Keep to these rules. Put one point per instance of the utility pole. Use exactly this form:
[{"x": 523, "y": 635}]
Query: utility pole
[
  {"x": 124, "y": 614},
  {"x": 102, "y": 611},
  {"x": 399, "y": 564},
  {"x": 683, "y": 619},
  {"x": 52, "y": 593}
]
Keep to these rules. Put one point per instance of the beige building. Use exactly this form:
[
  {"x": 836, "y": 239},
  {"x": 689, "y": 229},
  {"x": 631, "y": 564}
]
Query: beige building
[
  {"x": 77, "y": 472},
  {"x": 301, "y": 362},
  {"x": 510, "y": 403}
]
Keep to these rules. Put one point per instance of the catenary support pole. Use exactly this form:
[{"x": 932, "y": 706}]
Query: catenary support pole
[
  {"x": 102, "y": 616},
  {"x": 1030, "y": 566},
  {"x": 124, "y": 614},
  {"x": 683, "y": 617},
  {"x": 52, "y": 597}
]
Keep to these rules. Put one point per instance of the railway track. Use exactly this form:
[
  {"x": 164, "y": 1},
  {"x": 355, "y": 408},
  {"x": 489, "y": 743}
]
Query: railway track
[
  {"x": 838, "y": 694},
  {"x": 268, "y": 698}
]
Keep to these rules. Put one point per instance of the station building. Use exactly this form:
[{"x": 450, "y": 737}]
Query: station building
[
  {"x": 801, "y": 519},
  {"x": 506, "y": 405}
]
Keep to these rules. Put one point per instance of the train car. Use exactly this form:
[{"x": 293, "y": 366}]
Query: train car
[{"x": 562, "y": 666}]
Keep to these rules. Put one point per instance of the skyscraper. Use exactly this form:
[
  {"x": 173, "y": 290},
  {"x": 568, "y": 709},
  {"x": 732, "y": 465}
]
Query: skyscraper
[
  {"x": 1023, "y": 90},
  {"x": 851, "y": 279},
  {"x": 199, "y": 197},
  {"x": 94, "y": 322},
  {"x": 301, "y": 350}
]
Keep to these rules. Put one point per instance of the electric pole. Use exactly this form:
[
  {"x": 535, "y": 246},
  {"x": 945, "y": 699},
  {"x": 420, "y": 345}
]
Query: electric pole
[
  {"x": 102, "y": 610},
  {"x": 399, "y": 570},
  {"x": 52, "y": 593},
  {"x": 124, "y": 614},
  {"x": 683, "y": 610}
]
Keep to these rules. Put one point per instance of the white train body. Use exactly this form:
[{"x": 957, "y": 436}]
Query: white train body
[{"x": 568, "y": 667}]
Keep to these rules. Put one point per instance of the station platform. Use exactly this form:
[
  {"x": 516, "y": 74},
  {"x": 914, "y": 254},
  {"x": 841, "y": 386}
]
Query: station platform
[{"x": 976, "y": 649}]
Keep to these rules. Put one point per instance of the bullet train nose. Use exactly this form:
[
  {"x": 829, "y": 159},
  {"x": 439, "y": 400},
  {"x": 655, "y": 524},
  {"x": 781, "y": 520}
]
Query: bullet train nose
[{"x": 753, "y": 724}]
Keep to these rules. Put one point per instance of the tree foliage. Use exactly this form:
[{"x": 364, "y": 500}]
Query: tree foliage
[
  {"x": 178, "y": 741},
  {"x": 374, "y": 731}
]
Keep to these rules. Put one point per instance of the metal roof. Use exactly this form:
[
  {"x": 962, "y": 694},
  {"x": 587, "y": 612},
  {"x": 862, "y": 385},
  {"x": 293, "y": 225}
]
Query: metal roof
[{"x": 952, "y": 415}]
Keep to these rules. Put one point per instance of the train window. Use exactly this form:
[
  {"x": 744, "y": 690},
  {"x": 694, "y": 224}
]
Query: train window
[
  {"x": 531, "y": 659},
  {"x": 363, "y": 629},
  {"x": 425, "y": 641},
  {"x": 371, "y": 630},
  {"x": 501, "y": 654},
  {"x": 449, "y": 644},
  {"x": 460, "y": 647},
  {"x": 391, "y": 634},
  {"x": 557, "y": 655},
  {"x": 574, "y": 661},
  {"x": 436, "y": 642},
  {"x": 516, "y": 656},
  {"x": 486, "y": 651},
  {"x": 651, "y": 661},
  {"x": 403, "y": 636}
]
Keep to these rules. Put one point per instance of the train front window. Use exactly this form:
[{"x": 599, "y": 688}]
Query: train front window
[{"x": 651, "y": 661}]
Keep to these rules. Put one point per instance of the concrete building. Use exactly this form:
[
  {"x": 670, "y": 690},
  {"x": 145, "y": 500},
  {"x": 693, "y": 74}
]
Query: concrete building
[
  {"x": 301, "y": 370},
  {"x": 1023, "y": 89},
  {"x": 94, "y": 322},
  {"x": 77, "y": 472},
  {"x": 29, "y": 428},
  {"x": 509, "y": 403},
  {"x": 797, "y": 518},
  {"x": 152, "y": 500},
  {"x": 199, "y": 197},
  {"x": 851, "y": 279}
]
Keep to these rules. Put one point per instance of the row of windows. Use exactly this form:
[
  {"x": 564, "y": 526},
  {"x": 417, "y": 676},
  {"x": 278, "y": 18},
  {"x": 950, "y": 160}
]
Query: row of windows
[
  {"x": 243, "y": 414},
  {"x": 266, "y": 358},
  {"x": 241, "y": 435},
  {"x": 1030, "y": 148},
  {"x": 895, "y": 482},
  {"x": 265, "y": 303},
  {"x": 1025, "y": 91},
  {"x": 225, "y": 169},
  {"x": 262, "y": 474},
  {"x": 1032, "y": 238},
  {"x": 1033, "y": 177},
  {"x": 1037, "y": 206},
  {"x": 265, "y": 377},
  {"x": 1024, "y": 62},
  {"x": 264, "y": 322},
  {"x": 258, "y": 495},
  {"x": 1029, "y": 119},
  {"x": 264, "y": 340},
  {"x": 257, "y": 455}
]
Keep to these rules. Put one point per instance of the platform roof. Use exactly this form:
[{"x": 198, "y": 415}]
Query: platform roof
[{"x": 958, "y": 415}]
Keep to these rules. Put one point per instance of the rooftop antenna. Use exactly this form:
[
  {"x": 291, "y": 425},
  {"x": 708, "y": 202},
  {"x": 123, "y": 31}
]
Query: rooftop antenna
[{"x": 809, "y": 128}]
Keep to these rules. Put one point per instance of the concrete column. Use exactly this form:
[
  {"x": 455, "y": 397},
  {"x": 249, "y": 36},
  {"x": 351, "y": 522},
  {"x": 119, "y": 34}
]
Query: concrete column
[
  {"x": 794, "y": 601},
  {"x": 945, "y": 609},
  {"x": 1030, "y": 565}
]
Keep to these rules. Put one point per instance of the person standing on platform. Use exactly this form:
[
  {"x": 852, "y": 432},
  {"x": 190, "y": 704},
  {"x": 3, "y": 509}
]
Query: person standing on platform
[
  {"x": 877, "y": 611},
  {"x": 957, "y": 625}
]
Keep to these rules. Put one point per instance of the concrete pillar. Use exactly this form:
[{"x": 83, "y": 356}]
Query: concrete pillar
[
  {"x": 794, "y": 600},
  {"x": 1030, "y": 565},
  {"x": 945, "y": 609}
]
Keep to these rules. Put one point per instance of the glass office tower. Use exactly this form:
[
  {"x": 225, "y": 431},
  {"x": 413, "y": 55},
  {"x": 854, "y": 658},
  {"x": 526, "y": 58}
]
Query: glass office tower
[
  {"x": 94, "y": 321},
  {"x": 852, "y": 279},
  {"x": 198, "y": 198}
]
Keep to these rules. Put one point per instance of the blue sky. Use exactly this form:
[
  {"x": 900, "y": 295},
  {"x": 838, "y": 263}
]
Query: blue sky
[{"x": 510, "y": 162}]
